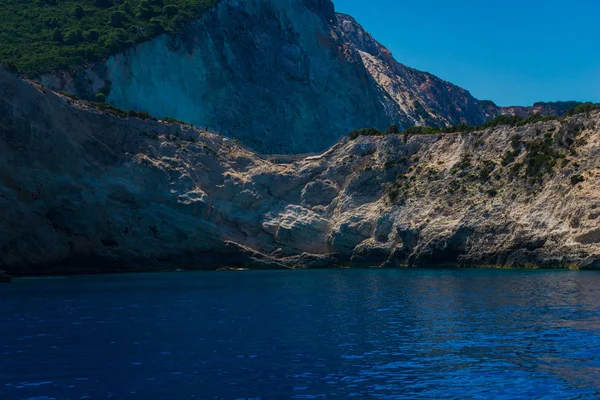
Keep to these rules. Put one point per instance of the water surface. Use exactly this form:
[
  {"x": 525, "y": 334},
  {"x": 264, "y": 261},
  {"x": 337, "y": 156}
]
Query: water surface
[{"x": 387, "y": 334}]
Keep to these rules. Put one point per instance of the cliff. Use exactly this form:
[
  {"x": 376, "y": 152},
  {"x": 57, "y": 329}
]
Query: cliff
[
  {"x": 283, "y": 76},
  {"x": 82, "y": 190},
  {"x": 273, "y": 73}
]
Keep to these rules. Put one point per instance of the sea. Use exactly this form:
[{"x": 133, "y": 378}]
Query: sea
[{"x": 303, "y": 334}]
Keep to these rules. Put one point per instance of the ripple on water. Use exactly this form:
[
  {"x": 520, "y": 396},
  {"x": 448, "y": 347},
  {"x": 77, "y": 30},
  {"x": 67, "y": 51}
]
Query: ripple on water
[
  {"x": 382, "y": 334},
  {"x": 22, "y": 385}
]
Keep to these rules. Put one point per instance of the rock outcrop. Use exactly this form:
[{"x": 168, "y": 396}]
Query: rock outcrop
[{"x": 82, "y": 190}]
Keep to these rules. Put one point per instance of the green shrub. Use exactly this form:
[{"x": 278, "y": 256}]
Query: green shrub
[
  {"x": 92, "y": 35},
  {"x": 78, "y": 12},
  {"x": 393, "y": 195},
  {"x": 118, "y": 112},
  {"x": 558, "y": 105},
  {"x": 583, "y": 108},
  {"x": 365, "y": 132},
  {"x": 422, "y": 130},
  {"x": 508, "y": 158},
  {"x": 541, "y": 157},
  {"x": 175, "y": 121},
  {"x": 145, "y": 115},
  {"x": 515, "y": 169},
  {"x": 170, "y": 10},
  {"x": 454, "y": 186},
  {"x": 465, "y": 162},
  {"x": 487, "y": 168},
  {"x": 575, "y": 179},
  {"x": 392, "y": 130},
  {"x": 57, "y": 35},
  {"x": 73, "y": 37},
  {"x": 103, "y": 3},
  {"x": 511, "y": 155},
  {"x": 500, "y": 120},
  {"x": 46, "y": 35},
  {"x": 145, "y": 11},
  {"x": 50, "y": 22},
  {"x": 69, "y": 95},
  {"x": 140, "y": 114},
  {"x": 118, "y": 19}
]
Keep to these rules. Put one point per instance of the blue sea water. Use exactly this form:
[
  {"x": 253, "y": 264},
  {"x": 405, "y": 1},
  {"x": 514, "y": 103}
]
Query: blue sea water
[{"x": 317, "y": 334}]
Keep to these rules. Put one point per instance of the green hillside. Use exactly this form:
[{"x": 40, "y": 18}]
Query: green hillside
[{"x": 43, "y": 35}]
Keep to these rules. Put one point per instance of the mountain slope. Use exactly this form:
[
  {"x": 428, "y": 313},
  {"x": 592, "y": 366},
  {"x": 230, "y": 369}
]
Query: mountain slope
[
  {"x": 422, "y": 98},
  {"x": 283, "y": 76},
  {"x": 82, "y": 190}
]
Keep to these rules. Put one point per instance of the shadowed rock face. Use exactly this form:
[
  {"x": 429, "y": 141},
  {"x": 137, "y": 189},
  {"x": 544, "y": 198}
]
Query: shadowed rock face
[
  {"x": 273, "y": 73},
  {"x": 85, "y": 191}
]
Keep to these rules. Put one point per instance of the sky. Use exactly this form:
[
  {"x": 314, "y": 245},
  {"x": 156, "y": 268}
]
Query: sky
[{"x": 508, "y": 51}]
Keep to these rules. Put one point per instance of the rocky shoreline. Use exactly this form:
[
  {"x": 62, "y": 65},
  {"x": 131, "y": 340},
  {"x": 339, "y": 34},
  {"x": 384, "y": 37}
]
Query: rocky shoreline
[
  {"x": 87, "y": 190},
  {"x": 4, "y": 277},
  {"x": 72, "y": 272}
]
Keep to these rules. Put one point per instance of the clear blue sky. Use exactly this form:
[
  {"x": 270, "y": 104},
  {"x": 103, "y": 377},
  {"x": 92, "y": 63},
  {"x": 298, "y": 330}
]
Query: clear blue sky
[{"x": 514, "y": 52}]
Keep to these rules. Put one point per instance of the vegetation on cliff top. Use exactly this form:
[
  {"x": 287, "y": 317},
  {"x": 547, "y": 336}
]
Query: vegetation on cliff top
[
  {"x": 510, "y": 120},
  {"x": 558, "y": 104},
  {"x": 45, "y": 35}
]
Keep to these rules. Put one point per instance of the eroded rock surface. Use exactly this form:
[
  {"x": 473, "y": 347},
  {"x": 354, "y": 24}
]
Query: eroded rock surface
[
  {"x": 419, "y": 98},
  {"x": 84, "y": 191}
]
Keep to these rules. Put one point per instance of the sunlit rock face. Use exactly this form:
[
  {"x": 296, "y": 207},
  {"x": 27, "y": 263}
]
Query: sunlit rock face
[{"x": 421, "y": 98}]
